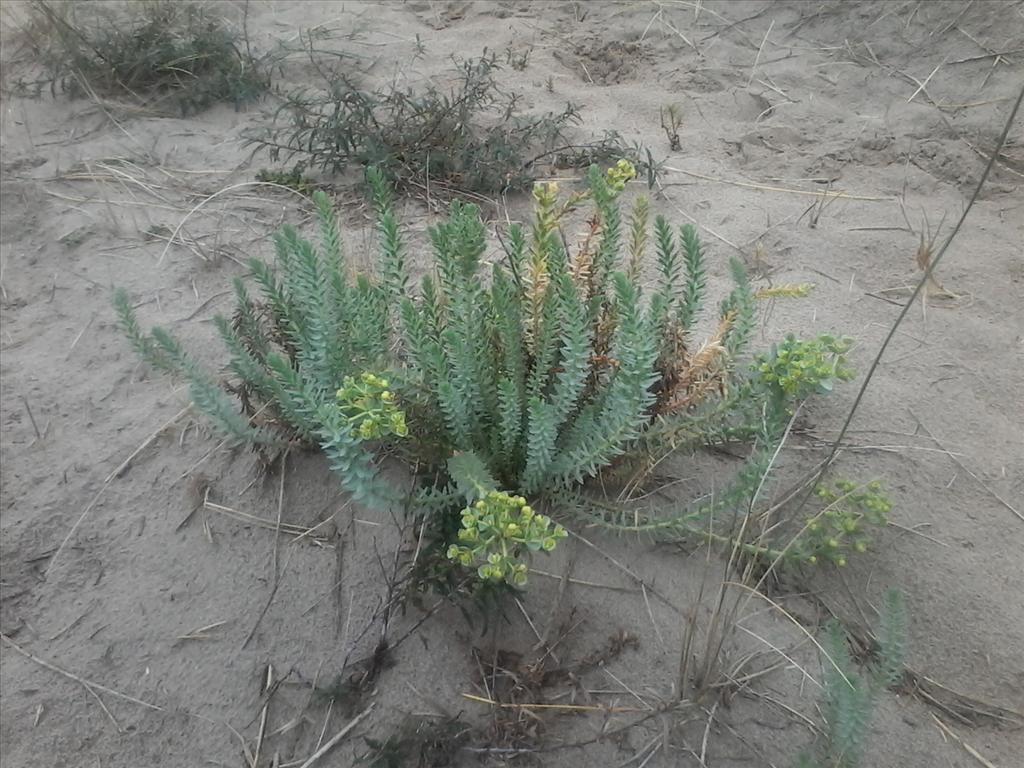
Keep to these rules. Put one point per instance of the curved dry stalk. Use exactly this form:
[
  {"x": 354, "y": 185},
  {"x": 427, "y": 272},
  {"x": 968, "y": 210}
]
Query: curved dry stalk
[{"x": 215, "y": 195}]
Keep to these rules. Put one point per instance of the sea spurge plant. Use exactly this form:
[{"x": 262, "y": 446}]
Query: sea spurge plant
[
  {"x": 706, "y": 399},
  {"x": 567, "y": 358},
  {"x": 555, "y": 366},
  {"x": 313, "y": 328},
  {"x": 370, "y": 407},
  {"x": 801, "y": 368},
  {"x": 851, "y": 690},
  {"x": 618, "y": 175},
  {"x": 843, "y": 527},
  {"x": 500, "y": 532}
]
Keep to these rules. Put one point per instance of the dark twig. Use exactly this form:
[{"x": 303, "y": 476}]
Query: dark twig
[{"x": 31, "y": 418}]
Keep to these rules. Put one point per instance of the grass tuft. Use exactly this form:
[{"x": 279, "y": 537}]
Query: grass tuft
[{"x": 167, "y": 55}]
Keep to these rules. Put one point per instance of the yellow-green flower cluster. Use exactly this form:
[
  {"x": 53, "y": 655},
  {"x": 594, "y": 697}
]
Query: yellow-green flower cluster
[
  {"x": 840, "y": 529},
  {"x": 546, "y": 194},
  {"x": 370, "y": 407},
  {"x": 547, "y": 212},
  {"x": 545, "y": 198},
  {"x": 619, "y": 174},
  {"x": 787, "y": 290},
  {"x": 499, "y": 532},
  {"x": 799, "y": 369}
]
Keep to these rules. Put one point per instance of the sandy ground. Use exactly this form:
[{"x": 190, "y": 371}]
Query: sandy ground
[{"x": 172, "y": 627}]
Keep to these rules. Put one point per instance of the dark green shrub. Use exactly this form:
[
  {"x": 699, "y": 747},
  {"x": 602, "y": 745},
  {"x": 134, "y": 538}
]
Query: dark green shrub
[{"x": 472, "y": 137}]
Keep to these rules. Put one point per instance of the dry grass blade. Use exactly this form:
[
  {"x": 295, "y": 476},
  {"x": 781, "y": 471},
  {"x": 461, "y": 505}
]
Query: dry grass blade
[
  {"x": 31, "y": 418},
  {"x": 829, "y": 195},
  {"x": 123, "y": 466},
  {"x": 584, "y": 582},
  {"x": 947, "y": 731},
  {"x": 275, "y": 572},
  {"x": 923, "y": 259},
  {"x": 203, "y": 632},
  {"x": 978, "y": 480},
  {"x": 632, "y": 574},
  {"x": 760, "y": 50},
  {"x": 725, "y": 618},
  {"x": 966, "y": 709},
  {"x": 807, "y": 675},
  {"x": 562, "y": 707},
  {"x": 120, "y": 469},
  {"x": 89, "y": 685},
  {"x": 272, "y": 525},
  {"x": 927, "y": 80},
  {"x": 268, "y": 687},
  {"x": 338, "y": 737},
  {"x": 202, "y": 203},
  {"x": 754, "y": 593},
  {"x": 278, "y": 577}
]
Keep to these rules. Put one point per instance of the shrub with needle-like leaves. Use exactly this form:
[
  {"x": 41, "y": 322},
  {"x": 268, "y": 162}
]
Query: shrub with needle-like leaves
[{"x": 473, "y": 137}]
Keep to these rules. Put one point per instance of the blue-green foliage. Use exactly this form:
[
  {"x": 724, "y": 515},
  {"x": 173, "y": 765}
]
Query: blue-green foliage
[
  {"x": 549, "y": 399},
  {"x": 847, "y": 700},
  {"x": 740, "y": 304},
  {"x": 696, "y": 277},
  {"x": 548, "y": 365},
  {"x": 289, "y": 352},
  {"x": 850, "y": 692}
]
